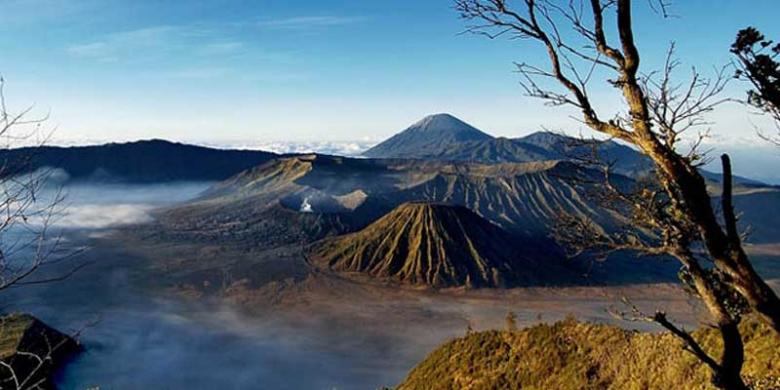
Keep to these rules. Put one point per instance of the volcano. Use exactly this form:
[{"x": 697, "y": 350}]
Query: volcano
[
  {"x": 430, "y": 134},
  {"x": 438, "y": 245}
]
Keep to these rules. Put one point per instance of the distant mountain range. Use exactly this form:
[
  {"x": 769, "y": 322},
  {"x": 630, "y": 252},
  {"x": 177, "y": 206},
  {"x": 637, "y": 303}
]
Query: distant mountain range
[
  {"x": 325, "y": 195},
  {"x": 301, "y": 199},
  {"x": 460, "y": 207},
  {"x": 440, "y": 137},
  {"x": 406, "y": 214},
  {"x": 443, "y": 137},
  {"x": 142, "y": 161}
]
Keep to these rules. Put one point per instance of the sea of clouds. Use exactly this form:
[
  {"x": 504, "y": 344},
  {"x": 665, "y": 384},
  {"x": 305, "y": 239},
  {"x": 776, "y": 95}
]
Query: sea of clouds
[{"x": 337, "y": 148}]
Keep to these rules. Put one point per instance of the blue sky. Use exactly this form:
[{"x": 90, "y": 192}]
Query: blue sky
[{"x": 229, "y": 71}]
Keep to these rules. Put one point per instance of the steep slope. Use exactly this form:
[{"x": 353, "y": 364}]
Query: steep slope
[
  {"x": 438, "y": 245},
  {"x": 525, "y": 199},
  {"x": 539, "y": 146},
  {"x": 140, "y": 162},
  {"x": 427, "y": 136}
]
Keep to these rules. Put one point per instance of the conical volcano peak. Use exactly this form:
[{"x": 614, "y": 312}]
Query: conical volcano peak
[
  {"x": 448, "y": 123},
  {"x": 444, "y": 125},
  {"x": 436, "y": 207},
  {"x": 439, "y": 245},
  {"x": 430, "y": 133}
]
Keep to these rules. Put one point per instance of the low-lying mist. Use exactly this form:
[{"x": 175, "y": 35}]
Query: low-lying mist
[
  {"x": 138, "y": 339},
  {"x": 98, "y": 206}
]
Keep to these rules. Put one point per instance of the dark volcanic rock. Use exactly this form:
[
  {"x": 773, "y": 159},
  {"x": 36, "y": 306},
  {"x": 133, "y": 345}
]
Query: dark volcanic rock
[{"x": 33, "y": 350}]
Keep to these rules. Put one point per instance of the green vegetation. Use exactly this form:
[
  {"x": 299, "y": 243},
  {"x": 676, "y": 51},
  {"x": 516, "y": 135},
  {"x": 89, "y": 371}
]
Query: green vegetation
[{"x": 576, "y": 355}]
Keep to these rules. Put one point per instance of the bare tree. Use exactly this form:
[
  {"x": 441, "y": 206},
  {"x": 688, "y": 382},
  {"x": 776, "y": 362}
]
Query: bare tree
[
  {"x": 677, "y": 209},
  {"x": 27, "y": 212},
  {"x": 757, "y": 63},
  {"x": 28, "y": 208},
  {"x": 653, "y": 228}
]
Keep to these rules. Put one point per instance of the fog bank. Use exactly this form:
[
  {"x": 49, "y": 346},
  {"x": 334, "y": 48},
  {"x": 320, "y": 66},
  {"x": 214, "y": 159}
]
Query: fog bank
[{"x": 137, "y": 339}]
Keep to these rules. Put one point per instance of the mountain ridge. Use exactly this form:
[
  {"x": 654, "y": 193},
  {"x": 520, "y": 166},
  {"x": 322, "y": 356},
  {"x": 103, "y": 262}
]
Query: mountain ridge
[
  {"x": 537, "y": 146},
  {"x": 145, "y": 161},
  {"x": 447, "y": 138},
  {"x": 522, "y": 198}
]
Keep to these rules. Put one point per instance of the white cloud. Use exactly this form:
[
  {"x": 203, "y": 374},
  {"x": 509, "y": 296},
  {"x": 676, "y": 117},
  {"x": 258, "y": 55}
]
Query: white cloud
[
  {"x": 124, "y": 43},
  {"x": 189, "y": 52},
  {"x": 153, "y": 39},
  {"x": 338, "y": 148},
  {"x": 103, "y": 216}
]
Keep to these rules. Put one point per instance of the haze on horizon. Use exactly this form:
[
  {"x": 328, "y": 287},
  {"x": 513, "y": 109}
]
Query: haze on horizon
[{"x": 238, "y": 74}]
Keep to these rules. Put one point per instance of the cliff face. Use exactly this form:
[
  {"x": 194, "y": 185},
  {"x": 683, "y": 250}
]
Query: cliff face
[
  {"x": 33, "y": 350},
  {"x": 438, "y": 245}
]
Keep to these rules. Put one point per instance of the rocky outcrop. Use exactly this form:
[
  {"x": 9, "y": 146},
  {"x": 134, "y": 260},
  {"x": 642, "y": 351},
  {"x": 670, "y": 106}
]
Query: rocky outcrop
[{"x": 31, "y": 351}]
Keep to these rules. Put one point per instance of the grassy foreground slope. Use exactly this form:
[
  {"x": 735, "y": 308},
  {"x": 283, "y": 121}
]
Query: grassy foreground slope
[{"x": 576, "y": 355}]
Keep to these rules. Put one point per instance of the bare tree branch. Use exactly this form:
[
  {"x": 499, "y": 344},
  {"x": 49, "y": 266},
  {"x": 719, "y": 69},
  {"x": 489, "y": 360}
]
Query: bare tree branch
[
  {"x": 658, "y": 113},
  {"x": 674, "y": 213}
]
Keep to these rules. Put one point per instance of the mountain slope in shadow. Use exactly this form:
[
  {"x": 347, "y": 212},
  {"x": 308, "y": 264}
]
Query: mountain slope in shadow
[{"x": 152, "y": 161}]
